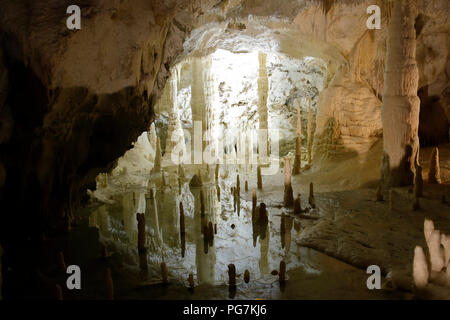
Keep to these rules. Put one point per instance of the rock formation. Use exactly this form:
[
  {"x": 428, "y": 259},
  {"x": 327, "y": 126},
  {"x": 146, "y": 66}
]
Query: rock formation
[
  {"x": 288, "y": 192},
  {"x": 434, "y": 173}
]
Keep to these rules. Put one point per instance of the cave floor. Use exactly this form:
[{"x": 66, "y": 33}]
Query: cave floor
[{"x": 326, "y": 250}]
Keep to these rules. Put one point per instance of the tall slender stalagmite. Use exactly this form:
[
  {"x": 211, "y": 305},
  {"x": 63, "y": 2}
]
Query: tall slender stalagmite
[
  {"x": 401, "y": 105},
  {"x": 309, "y": 132},
  {"x": 158, "y": 156},
  {"x": 434, "y": 174},
  {"x": 298, "y": 151},
  {"x": 288, "y": 192},
  {"x": 259, "y": 177},
  {"x": 263, "y": 91}
]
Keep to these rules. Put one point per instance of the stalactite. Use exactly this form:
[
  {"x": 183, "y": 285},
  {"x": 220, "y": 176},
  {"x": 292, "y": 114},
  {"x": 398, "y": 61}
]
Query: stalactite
[
  {"x": 309, "y": 132},
  {"x": 288, "y": 192},
  {"x": 298, "y": 145},
  {"x": 401, "y": 105},
  {"x": 434, "y": 173}
]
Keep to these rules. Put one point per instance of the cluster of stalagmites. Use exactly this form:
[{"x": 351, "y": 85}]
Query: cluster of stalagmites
[
  {"x": 434, "y": 267},
  {"x": 434, "y": 177}
]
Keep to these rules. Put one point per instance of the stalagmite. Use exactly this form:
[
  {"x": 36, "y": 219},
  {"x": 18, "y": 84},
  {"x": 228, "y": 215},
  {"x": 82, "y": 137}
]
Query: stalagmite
[
  {"x": 158, "y": 156},
  {"x": 401, "y": 105},
  {"x": 428, "y": 228},
  {"x": 298, "y": 205},
  {"x": 238, "y": 183},
  {"x": 191, "y": 281},
  {"x": 434, "y": 247},
  {"x": 109, "y": 285},
  {"x": 196, "y": 182},
  {"x": 216, "y": 175},
  {"x": 288, "y": 192},
  {"x": 140, "y": 217},
  {"x": 259, "y": 177},
  {"x": 282, "y": 273},
  {"x": 309, "y": 132},
  {"x": 311, "y": 200},
  {"x": 418, "y": 183},
  {"x": 164, "y": 273},
  {"x": 246, "y": 186},
  {"x": 181, "y": 173},
  {"x": 420, "y": 268},
  {"x": 210, "y": 234},
  {"x": 379, "y": 194},
  {"x": 263, "y": 90},
  {"x": 298, "y": 144},
  {"x": 218, "y": 193},
  {"x": 231, "y": 275},
  {"x": 445, "y": 242},
  {"x": 163, "y": 179},
  {"x": 215, "y": 228},
  {"x": 434, "y": 174}
]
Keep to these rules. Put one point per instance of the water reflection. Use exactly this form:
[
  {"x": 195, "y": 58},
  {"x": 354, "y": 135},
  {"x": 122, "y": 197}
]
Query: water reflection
[{"x": 260, "y": 239}]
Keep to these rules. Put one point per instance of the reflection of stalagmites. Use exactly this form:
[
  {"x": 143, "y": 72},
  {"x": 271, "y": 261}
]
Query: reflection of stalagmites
[
  {"x": 202, "y": 202},
  {"x": 163, "y": 179},
  {"x": 216, "y": 173},
  {"x": 434, "y": 174},
  {"x": 181, "y": 171},
  {"x": 182, "y": 230},
  {"x": 420, "y": 268},
  {"x": 158, "y": 156},
  {"x": 298, "y": 205},
  {"x": 218, "y": 193},
  {"x": 263, "y": 220},
  {"x": 210, "y": 234},
  {"x": 238, "y": 184},
  {"x": 164, "y": 273},
  {"x": 191, "y": 281},
  {"x": 196, "y": 182},
  {"x": 140, "y": 217},
  {"x": 246, "y": 186},
  {"x": 283, "y": 230},
  {"x": 247, "y": 276},
  {"x": 282, "y": 273},
  {"x": 379, "y": 194},
  {"x": 215, "y": 228},
  {"x": 61, "y": 262},
  {"x": 288, "y": 192},
  {"x": 311, "y": 200},
  {"x": 109, "y": 286},
  {"x": 180, "y": 184},
  {"x": 253, "y": 203},
  {"x": 434, "y": 247},
  {"x": 259, "y": 177},
  {"x": 418, "y": 183},
  {"x": 231, "y": 275}
]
